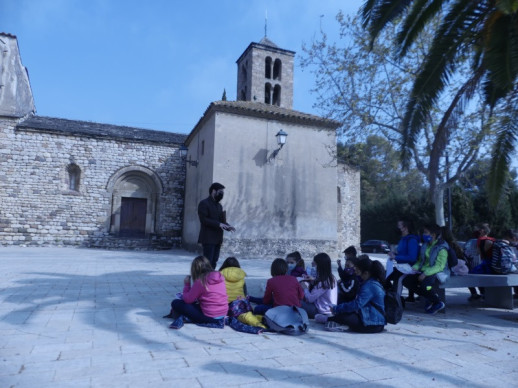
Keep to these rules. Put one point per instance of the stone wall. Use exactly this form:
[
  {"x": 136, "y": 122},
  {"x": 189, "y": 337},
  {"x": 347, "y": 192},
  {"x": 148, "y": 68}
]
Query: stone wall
[
  {"x": 273, "y": 248},
  {"x": 348, "y": 191},
  {"x": 37, "y": 207}
]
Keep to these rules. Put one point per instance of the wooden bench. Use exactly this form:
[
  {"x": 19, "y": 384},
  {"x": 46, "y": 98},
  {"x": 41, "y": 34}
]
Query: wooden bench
[{"x": 498, "y": 288}]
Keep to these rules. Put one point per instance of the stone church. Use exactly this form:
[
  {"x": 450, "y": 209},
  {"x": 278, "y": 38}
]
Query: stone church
[{"x": 69, "y": 182}]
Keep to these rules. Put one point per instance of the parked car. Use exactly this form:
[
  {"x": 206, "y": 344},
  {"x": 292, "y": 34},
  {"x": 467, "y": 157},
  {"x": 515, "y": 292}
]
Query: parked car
[{"x": 375, "y": 246}]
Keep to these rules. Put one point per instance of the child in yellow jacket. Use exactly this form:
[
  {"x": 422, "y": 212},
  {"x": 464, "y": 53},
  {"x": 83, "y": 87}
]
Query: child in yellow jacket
[{"x": 234, "y": 278}]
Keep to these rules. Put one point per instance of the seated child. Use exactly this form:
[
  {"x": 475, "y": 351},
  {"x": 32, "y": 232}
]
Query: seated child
[
  {"x": 205, "y": 301},
  {"x": 349, "y": 281},
  {"x": 296, "y": 266},
  {"x": 281, "y": 289},
  {"x": 366, "y": 313},
  {"x": 234, "y": 278},
  {"x": 320, "y": 294}
]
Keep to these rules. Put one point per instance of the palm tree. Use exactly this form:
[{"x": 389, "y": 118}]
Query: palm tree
[{"x": 484, "y": 30}]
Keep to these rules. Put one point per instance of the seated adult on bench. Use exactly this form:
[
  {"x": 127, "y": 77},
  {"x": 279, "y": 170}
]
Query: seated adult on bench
[
  {"x": 432, "y": 265},
  {"x": 407, "y": 252}
]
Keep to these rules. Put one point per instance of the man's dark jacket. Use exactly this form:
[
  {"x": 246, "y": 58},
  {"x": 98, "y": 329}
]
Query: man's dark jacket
[{"x": 211, "y": 215}]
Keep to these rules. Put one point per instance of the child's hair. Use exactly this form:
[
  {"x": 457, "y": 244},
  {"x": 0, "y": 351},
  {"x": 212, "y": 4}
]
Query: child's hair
[
  {"x": 408, "y": 224},
  {"x": 433, "y": 229},
  {"x": 378, "y": 271},
  {"x": 353, "y": 260},
  {"x": 510, "y": 235},
  {"x": 351, "y": 251},
  {"x": 299, "y": 261},
  {"x": 483, "y": 227},
  {"x": 447, "y": 236},
  {"x": 324, "y": 272},
  {"x": 230, "y": 262},
  {"x": 373, "y": 267},
  {"x": 364, "y": 264},
  {"x": 200, "y": 268},
  {"x": 279, "y": 267}
]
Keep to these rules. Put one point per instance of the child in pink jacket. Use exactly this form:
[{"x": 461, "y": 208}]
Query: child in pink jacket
[{"x": 204, "y": 302}]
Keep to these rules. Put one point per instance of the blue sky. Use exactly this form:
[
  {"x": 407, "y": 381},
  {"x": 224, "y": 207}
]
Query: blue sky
[{"x": 154, "y": 64}]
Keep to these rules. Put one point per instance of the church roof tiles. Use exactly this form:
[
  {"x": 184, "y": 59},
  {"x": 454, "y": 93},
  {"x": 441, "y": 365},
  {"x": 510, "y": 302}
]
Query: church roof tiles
[{"x": 97, "y": 130}]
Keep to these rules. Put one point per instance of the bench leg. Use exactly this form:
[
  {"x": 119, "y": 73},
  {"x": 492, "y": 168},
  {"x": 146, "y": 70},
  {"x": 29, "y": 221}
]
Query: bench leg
[{"x": 501, "y": 297}]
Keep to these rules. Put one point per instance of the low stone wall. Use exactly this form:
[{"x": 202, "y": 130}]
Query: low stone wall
[{"x": 271, "y": 248}]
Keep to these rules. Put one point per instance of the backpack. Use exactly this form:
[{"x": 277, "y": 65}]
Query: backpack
[
  {"x": 393, "y": 303},
  {"x": 471, "y": 253},
  {"x": 239, "y": 306},
  {"x": 502, "y": 258},
  {"x": 291, "y": 320}
]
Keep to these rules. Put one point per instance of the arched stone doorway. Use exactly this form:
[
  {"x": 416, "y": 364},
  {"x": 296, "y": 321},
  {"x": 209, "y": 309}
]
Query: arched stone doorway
[{"x": 135, "y": 192}]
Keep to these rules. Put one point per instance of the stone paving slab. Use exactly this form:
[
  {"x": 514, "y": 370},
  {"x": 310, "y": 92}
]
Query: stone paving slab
[{"x": 93, "y": 318}]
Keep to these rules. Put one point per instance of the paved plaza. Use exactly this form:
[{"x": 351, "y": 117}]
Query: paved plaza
[{"x": 93, "y": 318}]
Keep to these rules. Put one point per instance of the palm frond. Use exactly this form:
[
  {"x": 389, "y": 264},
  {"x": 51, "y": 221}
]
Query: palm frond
[
  {"x": 377, "y": 14},
  {"x": 500, "y": 55},
  {"x": 501, "y": 155},
  {"x": 417, "y": 19},
  {"x": 458, "y": 26}
]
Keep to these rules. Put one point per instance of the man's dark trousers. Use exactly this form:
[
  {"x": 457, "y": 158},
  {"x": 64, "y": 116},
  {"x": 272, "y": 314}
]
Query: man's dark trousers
[{"x": 211, "y": 252}]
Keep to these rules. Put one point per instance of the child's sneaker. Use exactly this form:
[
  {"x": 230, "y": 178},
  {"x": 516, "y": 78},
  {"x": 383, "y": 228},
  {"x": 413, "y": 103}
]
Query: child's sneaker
[
  {"x": 436, "y": 307},
  {"x": 177, "y": 323},
  {"x": 171, "y": 315},
  {"x": 334, "y": 326},
  {"x": 321, "y": 318},
  {"x": 427, "y": 306}
]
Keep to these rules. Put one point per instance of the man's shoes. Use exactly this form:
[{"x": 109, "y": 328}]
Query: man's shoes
[
  {"x": 335, "y": 327},
  {"x": 436, "y": 307},
  {"x": 177, "y": 323}
]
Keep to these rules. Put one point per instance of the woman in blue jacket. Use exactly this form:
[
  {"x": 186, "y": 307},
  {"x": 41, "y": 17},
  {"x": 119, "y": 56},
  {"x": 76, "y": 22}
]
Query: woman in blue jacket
[{"x": 366, "y": 313}]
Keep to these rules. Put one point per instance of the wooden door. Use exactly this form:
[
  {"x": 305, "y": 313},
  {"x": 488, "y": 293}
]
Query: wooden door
[{"x": 133, "y": 217}]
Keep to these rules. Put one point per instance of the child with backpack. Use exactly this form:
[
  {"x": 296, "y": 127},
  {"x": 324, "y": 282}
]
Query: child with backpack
[
  {"x": 321, "y": 293},
  {"x": 203, "y": 302},
  {"x": 281, "y": 289},
  {"x": 234, "y": 279},
  {"x": 366, "y": 313}
]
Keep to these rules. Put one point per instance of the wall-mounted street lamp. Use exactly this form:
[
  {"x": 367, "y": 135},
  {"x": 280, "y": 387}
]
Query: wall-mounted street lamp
[
  {"x": 281, "y": 138},
  {"x": 183, "y": 155}
]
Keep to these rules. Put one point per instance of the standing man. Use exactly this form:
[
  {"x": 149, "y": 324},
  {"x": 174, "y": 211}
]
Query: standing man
[{"x": 213, "y": 222}]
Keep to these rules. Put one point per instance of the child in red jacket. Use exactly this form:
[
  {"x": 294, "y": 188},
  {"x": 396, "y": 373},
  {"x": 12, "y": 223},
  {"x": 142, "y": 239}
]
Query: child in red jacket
[{"x": 281, "y": 289}]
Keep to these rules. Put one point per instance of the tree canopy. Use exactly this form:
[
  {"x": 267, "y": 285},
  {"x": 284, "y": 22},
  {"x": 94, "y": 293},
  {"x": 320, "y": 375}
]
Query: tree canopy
[
  {"x": 362, "y": 85},
  {"x": 483, "y": 31}
]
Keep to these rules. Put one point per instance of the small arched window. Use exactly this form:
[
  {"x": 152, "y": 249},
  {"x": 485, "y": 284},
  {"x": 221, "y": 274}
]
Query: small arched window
[
  {"x": 277, "y": 69},
  {"x": 277, "y": 95},
  {"x": 268, "y": 67},
  {"x": 267, "y": 93},
  {"x": 74, "y": 176}
]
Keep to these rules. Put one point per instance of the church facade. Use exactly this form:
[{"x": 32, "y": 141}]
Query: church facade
[{"x": 69, "y": 182}]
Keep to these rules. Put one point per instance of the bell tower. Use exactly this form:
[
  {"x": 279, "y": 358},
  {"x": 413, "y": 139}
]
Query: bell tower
[{"x": 265, "y": 74}]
